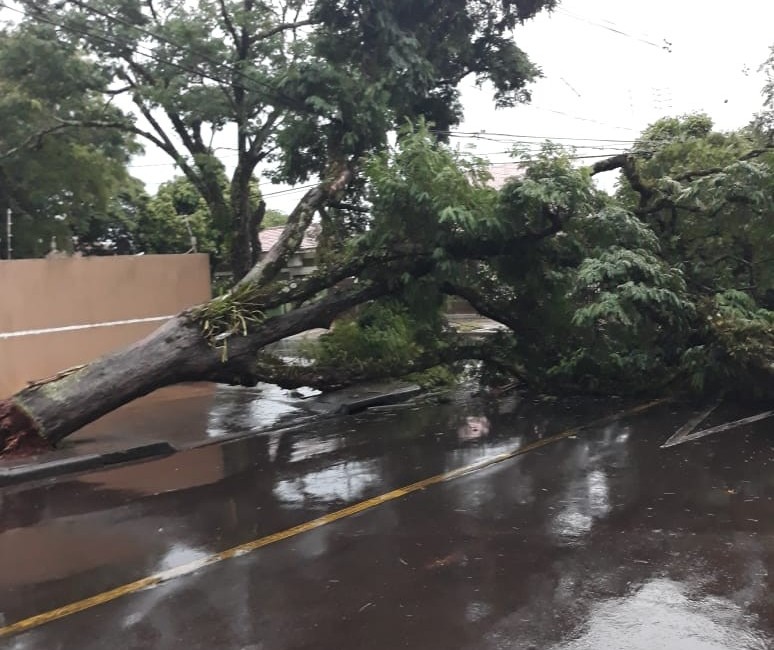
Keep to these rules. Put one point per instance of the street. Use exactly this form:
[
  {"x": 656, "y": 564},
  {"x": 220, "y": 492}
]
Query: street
[{"x": 580, "y": 539}]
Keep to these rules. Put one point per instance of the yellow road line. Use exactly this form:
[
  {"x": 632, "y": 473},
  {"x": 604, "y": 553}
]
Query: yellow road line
[{"x": 248, "y": 547}]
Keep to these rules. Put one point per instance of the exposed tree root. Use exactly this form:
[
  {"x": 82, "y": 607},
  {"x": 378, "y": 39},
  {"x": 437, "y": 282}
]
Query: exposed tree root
[{"x": 18, "y": 433}]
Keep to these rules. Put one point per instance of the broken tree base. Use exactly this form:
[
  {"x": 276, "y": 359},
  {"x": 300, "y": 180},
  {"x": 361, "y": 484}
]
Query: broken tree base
[{"x": 18, "y": 432}]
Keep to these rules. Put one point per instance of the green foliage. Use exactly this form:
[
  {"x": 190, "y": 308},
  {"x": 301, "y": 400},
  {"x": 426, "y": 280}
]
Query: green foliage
[
  {"x": 437, "y": 377},
  {"x": 717, "y": 225},
  {"x": 634, "y": 315},
  {"x": 176, "y": 207},
  {"x": 736, "y": 352},
  {"x": 273, "y": 218},
  {"x": 425, "y": 193},
  {"x": 383, "y": 334},
  {"x": 66, "y": 185},
  {"x": 388, "y": 335}
]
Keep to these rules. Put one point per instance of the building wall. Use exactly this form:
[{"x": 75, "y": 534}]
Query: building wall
[{"x": 59, "y": 313}]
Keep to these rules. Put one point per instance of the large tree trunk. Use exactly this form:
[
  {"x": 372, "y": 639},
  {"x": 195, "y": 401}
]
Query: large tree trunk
[
  {"x": 242, "y": 243},
  {"x": 52, "y": 410},
  {"x": 46, "y": 412}
]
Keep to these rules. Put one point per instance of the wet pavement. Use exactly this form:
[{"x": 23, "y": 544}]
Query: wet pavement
[
  {"x": 190, "y": 415},
  {"x": 599, "y": 540}
]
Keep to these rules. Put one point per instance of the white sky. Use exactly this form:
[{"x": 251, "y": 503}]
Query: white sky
[{"x": 601, "y": 84}]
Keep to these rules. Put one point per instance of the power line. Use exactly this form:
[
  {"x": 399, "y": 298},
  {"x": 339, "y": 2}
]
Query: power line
[
  {"x": 578, "y": 117},
  {"x": 666, "y": 45},
  {"x": 472, "y": 152},
  {"x": 291, "y": 190},
  {"x": 485, "y": 134}
]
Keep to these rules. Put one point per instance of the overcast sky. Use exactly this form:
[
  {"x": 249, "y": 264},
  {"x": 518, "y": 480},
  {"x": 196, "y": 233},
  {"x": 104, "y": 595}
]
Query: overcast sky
[{"x": 611, "y": 67}]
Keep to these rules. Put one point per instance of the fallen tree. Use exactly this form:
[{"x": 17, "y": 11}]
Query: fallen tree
[
  {"x": 220, "y": 341},
  {"x": 554, "y": 273}
]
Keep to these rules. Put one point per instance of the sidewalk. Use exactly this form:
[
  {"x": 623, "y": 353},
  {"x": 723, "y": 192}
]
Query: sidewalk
[{"x": 191, "y": 415}]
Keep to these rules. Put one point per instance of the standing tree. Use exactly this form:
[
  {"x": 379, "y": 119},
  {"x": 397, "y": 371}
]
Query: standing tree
[
  {"x": 310, "y": 86},
  {"x": 61, "y": 181}
]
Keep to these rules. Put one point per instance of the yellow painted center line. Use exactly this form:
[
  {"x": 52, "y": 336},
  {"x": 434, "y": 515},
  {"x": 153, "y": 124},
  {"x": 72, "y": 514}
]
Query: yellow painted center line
[{"x": 248, "y": 547}]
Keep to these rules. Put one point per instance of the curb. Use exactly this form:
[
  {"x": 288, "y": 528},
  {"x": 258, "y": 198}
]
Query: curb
[
  {"x": 31, "y": 472},
  {"x": 357, "y": 404}
]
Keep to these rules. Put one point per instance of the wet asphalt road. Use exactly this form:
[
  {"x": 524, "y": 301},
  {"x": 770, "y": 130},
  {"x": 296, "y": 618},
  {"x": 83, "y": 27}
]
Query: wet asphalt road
[{"x": 599, "y": 541}]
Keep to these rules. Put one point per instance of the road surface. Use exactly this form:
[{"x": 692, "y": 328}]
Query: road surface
[{"x": 589, "y": 539}]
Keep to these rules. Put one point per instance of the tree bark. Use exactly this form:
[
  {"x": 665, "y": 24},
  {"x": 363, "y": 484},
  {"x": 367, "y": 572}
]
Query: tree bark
[
  {"x": 256, "y": 219},
  {"x": 298, "y": 222},
  {"x": 241, "y": 215}
]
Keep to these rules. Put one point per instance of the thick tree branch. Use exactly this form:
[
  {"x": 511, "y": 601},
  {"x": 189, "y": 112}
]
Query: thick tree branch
[
  {"x": 228, "y": 23},
  {"x": 255, "y": 152},
  {"x": 500, "y": 305},
  {"x": 178, "y": 351},
  {"x": 163, "y": 141},
  {"x": 626, "y": 162},
  {"x": 609, "y": 164},
  {"x": 241, "y": 350},
  {"x": 271, "y": 369},
  {"x": 34, "y": 140},
  {"x": 297, "y": 224},
  {"x": 117, "y": 91},
  {"x": 349, "y": 207},
  {"x": 166, "y": 146},
  {"x": 394, "y": 262},
  {"x": 152, "y": 10},
  {"x": 284, "y": 27}
]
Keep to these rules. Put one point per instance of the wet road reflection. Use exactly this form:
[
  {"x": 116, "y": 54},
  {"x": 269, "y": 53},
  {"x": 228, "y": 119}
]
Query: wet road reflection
[
  {"x": 344, "y": 483},
  {"x": 602, "y": 540},
  {"x": 661, "y": 611}
]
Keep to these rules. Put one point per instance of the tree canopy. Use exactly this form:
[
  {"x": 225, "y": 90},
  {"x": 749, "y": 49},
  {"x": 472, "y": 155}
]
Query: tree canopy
[{"x": 310, "y": 86}]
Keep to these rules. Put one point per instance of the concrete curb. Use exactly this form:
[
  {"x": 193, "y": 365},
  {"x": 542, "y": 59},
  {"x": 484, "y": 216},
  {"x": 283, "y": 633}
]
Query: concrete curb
[
  {"x": 358, "y": 404},
  {"x": 72, "y": 464}
]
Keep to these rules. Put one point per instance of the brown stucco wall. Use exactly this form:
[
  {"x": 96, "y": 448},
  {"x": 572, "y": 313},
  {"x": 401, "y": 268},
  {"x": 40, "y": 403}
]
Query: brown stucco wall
[{"x": 51, "y": 293}]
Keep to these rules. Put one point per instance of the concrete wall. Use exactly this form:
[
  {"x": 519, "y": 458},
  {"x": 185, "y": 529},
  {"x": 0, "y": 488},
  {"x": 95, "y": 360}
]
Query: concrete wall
[{"x": 58, "y": 313}]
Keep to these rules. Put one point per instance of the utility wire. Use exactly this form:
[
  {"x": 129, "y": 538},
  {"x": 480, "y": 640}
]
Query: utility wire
[
  {"x": 577, "y": 117},
  {"x": 483, "y": 134},
  {"x": 666, "y": 45}
]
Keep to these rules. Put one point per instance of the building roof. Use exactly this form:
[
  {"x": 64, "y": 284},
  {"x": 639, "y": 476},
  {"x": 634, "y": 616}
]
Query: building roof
[
  {"x": 501, "y": 174},
  {"x": 270, "y": 236}
]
